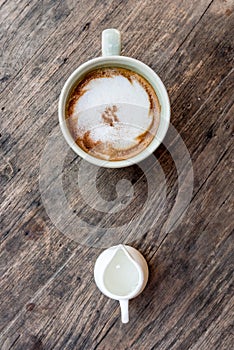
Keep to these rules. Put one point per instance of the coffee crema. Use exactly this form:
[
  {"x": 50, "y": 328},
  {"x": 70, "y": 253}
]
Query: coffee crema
[{"x": 113, "y": 113}]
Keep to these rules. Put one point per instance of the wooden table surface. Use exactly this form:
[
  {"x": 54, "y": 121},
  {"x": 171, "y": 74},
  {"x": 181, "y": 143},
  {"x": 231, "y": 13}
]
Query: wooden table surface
[{"x": 48, "y": 296}]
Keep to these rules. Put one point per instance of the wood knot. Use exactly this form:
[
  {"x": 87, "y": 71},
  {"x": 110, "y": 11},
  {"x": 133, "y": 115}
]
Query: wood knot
[
  {"x": 6, "y": 168},
  {"x": 30, "y": 306},
  {"x": 33, "y": 229}
]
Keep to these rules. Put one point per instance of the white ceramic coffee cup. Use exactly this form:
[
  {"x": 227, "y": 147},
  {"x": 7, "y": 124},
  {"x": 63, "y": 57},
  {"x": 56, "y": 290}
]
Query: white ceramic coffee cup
[{"x": 111, "y": 45}]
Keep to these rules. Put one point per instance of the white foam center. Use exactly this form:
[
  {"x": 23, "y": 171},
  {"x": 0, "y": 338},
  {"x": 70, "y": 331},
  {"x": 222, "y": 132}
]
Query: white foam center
[{"x": 130, "y": 103}]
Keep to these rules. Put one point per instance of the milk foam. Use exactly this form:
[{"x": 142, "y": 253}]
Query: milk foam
[{"x": 114, "y": 110}]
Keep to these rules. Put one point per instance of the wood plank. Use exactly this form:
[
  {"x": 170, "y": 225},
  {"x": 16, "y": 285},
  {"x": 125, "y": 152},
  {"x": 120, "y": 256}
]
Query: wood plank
[
  {"x": 171, "y": 300},
  {"x": 191, "y": 282},
  {"x": 48, "y": 297},
  {"x": 55, "y": 70},
  {"x": 33, "y": 180},
  {"x": 32, "y": 144},
  {"x": 194, "y": 245}
]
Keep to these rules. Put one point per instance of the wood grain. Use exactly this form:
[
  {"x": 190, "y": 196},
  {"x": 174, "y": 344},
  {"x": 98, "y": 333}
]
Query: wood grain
[{"x": 48, "y": 296}]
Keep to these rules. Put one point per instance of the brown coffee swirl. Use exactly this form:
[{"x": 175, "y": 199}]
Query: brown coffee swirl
[{"x": 113, "y": 113}]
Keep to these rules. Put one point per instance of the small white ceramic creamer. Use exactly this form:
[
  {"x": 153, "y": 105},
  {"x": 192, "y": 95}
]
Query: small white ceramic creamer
[{"x": 121, "y": 273}]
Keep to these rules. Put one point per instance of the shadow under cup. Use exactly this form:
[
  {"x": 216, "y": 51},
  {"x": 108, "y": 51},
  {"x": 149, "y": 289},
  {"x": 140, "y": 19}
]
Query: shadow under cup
[{"x": 128, "y": 64}]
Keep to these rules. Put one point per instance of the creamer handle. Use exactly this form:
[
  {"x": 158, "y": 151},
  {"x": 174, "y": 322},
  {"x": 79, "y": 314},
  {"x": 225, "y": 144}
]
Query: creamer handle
[{"x": 124, "y": 310}]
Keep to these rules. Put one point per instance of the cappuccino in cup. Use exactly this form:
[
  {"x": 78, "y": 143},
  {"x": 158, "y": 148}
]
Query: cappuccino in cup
[
  {"x": 114, "y": 110},
  {"x": 112, "y": 113}
]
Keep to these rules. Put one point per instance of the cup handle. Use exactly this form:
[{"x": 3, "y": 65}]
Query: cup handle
[
  {"x": 111, "y": 42},
  {"x": 124, "y": 310}
]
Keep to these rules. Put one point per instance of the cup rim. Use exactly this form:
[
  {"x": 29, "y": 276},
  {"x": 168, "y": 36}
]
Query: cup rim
[{"x": 128, "y": 63}]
